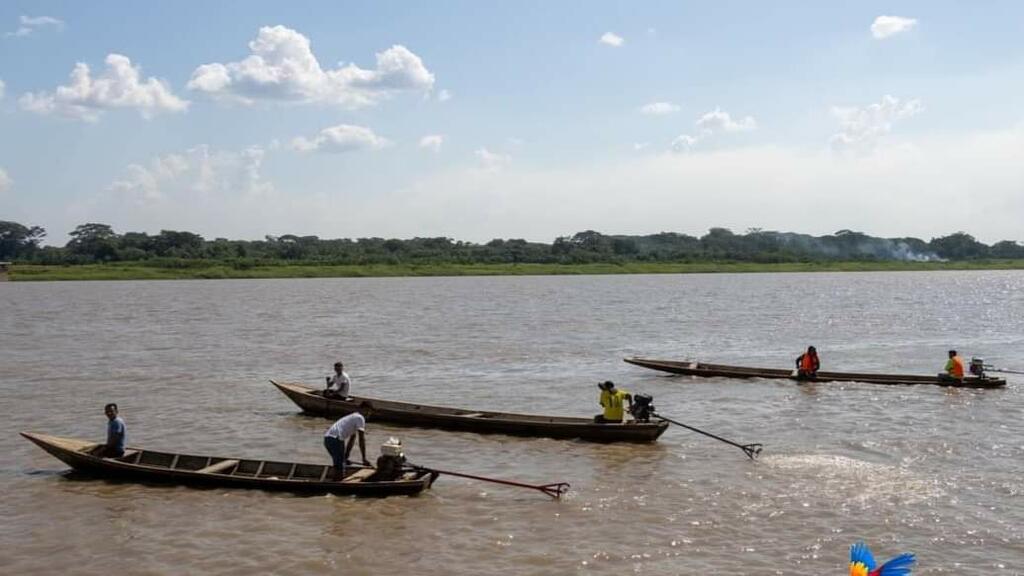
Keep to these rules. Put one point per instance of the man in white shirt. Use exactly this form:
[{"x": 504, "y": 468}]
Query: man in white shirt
[
  {"x": 345, "y": 430},
  {"x": 338, "y": 384}
]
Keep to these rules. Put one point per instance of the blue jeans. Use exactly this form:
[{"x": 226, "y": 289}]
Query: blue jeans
[{"x": 336, "y": 448}]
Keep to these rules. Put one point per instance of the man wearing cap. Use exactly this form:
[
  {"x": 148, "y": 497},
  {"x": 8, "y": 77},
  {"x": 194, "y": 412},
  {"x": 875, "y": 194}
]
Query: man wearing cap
[
  {"x": 338, "y": 384},
  {"x": 612, "y": 400},
  {"x": 346, "y": 429}
]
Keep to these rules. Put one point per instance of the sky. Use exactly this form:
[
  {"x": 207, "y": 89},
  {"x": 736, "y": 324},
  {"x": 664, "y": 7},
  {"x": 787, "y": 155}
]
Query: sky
[{"x": 532, "y": 119}]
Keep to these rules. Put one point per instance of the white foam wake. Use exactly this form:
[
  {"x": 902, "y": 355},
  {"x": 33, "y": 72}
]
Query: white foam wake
[{"x": 854, "y": 481}]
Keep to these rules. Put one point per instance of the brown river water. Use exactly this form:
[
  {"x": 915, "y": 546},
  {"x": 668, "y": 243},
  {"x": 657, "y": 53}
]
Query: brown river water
[{"x": 934, "y": 471}]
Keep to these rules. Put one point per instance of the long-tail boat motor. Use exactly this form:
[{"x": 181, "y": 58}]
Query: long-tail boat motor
[
  {"x": 391, "y": 460},
  {"x": 642, "y": 408},
  {"x": 977, "y": 367}
]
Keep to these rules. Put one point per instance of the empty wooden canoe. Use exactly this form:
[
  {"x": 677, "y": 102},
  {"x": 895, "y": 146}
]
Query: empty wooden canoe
[
  {"x": 188, "y": 469},
  {"x": 723, "y": 371},
  {"x": 312, "y": 401}
]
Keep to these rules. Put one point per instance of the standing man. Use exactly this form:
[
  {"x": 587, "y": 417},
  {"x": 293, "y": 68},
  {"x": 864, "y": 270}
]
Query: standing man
[
  {"x": 612, "y": 400},
  {"x": 954, "y": 370},
  {"x": 346, "y": 429},
  {"x": 807, "y": 364},
  {"x": 114, "y": 448},
  {"x": 338, "y": 384}
]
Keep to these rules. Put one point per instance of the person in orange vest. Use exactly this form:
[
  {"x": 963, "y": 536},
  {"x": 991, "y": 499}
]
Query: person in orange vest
[
  {"x": 807, "y": 364},
  {"x": 954, "y": 368}
]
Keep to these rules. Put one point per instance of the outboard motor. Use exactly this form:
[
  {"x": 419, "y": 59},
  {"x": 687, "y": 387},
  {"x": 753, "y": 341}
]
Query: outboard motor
[
  {"x": 390, "y": 461},
  {"x": 643, "y": 407},
  {"x": 977, "y": 367}
]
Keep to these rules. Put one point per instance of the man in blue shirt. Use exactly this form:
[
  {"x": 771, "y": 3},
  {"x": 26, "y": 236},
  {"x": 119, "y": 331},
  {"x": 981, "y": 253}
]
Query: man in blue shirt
[{"x": 114, "y": 447}]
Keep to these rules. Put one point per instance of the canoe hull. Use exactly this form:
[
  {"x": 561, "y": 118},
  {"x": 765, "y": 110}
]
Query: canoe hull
[
  {"x": 723, "y": 371},
  {"x": 146, "y": 466},
  {"x": 423, "y": 416}
]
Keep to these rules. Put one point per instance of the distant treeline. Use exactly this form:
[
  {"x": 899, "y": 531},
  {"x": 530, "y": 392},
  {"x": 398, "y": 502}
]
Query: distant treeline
[{"x": 93, "y": 243}]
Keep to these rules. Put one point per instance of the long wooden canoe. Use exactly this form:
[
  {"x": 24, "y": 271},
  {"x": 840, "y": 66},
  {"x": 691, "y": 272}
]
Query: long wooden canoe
[
  {"x": 188, "y": 469},
  {"x": 313, "y": 402},
  {"x": 724, "y": 371}
]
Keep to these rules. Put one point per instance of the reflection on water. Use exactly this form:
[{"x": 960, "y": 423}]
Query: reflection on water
[{"x": 926, "y": 469}]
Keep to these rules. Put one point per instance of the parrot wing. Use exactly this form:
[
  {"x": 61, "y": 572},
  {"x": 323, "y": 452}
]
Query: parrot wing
[
  {"x": 898, "y": 566},
  {"x": 861, "y": 560}
]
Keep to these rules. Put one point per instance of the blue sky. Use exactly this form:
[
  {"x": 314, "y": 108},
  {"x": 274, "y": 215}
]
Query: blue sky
[{"x": 529, "y": 120}]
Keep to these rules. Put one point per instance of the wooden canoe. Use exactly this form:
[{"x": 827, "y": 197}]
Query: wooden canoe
[
  {"x": 187, "y": 469},
  {"x": 724, "y": 371},
  {"x": 313, "y": 402}
]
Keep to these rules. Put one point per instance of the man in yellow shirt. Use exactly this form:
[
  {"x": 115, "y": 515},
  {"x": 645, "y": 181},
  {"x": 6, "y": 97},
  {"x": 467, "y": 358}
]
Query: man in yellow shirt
[{"x": 612, "y": 400}]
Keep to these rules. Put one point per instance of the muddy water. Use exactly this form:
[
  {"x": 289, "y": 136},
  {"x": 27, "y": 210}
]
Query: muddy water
[{"x": 925, "y": 469}]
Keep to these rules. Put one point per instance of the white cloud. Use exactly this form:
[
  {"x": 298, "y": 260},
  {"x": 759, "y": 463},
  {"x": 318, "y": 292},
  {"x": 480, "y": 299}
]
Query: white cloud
[
  {"x": 2, "y": 88},
  {"x": 119, "y": 86},
  {"x": 720, "y": 120},
  {"x": 432, "y": 142},
  {"x": 886, "y": 26},
  {"x": 659, "y": 108},
  {"x": 29, "y": 24},
  {"x": 683, "y": 143},
  {"x": 492, "y": 160},
  {"x": 444, "y": 96},
  {"x": 341, "y": 138},
  {"x": 190, "y": 179},
  {"x": 282, "y": 67},
  {"x": 612, "y": 39},
  {"x": 860, "y": 128},
  {"x": 142, "y": 184},
  {"x": 930, "y": 188},
  {"x": 5, "y": 181},
  {"x": 709, "y": 124},
  {"x": 640, "y": 146},
  {"x": 39, "y": 21},
  {"x": 213, "y": 192},
  {"x": 929, "y": 185}
]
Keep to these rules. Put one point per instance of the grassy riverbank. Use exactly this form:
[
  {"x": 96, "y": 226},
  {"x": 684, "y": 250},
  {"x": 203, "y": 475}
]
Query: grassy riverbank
[{"x": 213, "y": 270}]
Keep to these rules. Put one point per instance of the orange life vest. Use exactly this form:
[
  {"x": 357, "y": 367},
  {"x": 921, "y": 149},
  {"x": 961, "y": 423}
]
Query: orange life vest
[
  {"x": 958, "y": 367},
  {"x": 807, "y": 363}
]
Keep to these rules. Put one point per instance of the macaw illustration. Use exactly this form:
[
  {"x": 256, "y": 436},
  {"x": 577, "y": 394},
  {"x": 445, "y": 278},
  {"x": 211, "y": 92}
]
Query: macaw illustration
[{"x": 862, "y": 563}]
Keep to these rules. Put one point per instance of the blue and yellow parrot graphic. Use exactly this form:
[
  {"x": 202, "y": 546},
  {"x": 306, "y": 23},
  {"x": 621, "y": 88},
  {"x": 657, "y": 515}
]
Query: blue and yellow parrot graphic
[{"x": 862, "y": 563}]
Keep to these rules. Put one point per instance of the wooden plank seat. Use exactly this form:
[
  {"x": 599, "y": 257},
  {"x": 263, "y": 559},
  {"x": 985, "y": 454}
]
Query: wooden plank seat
[
  {"x": 219, "y": 468},
  {"x": 359, "y": 475},
  {"x": 472, "y": 415},
  {"x": 128, "y": 456}
]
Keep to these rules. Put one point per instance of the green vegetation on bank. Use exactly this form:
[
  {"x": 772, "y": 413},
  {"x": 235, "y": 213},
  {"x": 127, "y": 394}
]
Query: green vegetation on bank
[
  {"x": 218, "y": 270},
  {"x": 96, "y": 251}
]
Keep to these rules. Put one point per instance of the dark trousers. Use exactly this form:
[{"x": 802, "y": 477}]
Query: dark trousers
[
  {"x": 103, "y": 451},
  {"x": 336, "y": 448}
]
